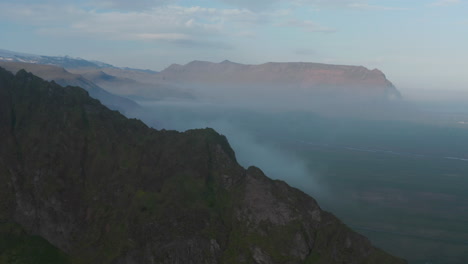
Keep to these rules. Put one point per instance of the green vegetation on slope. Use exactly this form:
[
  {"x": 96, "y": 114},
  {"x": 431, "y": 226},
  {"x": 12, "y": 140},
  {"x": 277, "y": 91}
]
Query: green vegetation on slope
[{"x": 17, "y": 247}]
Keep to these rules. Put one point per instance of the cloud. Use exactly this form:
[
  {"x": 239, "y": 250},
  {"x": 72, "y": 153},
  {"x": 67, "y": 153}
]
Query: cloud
[
  {"x": 252, "y": 5},
  {"x": 376, "y": 7},
  {"x": 305, "y": 51},
  {"x": 187, "y": 26},
  {"x": 445, "y": 2},
  {"x": 192, "y": 26},
  {"x": 162, "y": 36},
  {"x": 39, "y": 14},
  {"x": 266, "y": 4},
  {"x": 128, "y": 5},
  {"x": 328, "y": 3},
  {"x": 101, "y": 4},
  {"x": 246, "y": 34},
  {"x": 306, "y": 25}
]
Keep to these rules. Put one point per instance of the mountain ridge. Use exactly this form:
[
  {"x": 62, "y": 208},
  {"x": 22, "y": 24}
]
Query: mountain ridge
[
  {"x": 305, "y": 81},
  {"x": 62, "y": 61},
  {"x": 63, "y": 77},
  {"x": 296, "y": 77},
  {"x": 274, "y": 66}
]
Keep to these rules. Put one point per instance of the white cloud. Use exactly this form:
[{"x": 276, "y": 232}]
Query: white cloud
[
  {"x": 187, "y": 25},
  {"x": 306, "y": 25},
  {"x": 128, "y": 5},
  {"x": 265, "y": 4},
  {"x": 329, "y": 3},
  {"x": 162, "y": 36},
  {"x": 252, "y": 4},
  {"x": 445, "y": 2},
  {"x": 40, "y": 14},
  {"x": 376, "y": 7},
  {"x": 246, "y": 34},
  {"x": 317, "y": 4}
]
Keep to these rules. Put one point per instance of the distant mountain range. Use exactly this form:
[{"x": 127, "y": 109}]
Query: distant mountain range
[
  {"x": 104, "y": 81},
  {"x": 313, "y": 86}
]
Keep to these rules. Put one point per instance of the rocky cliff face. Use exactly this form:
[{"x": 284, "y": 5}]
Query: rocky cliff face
[
  {"x": 295, "y": 77},
  {"x": 106, "y": 189}
]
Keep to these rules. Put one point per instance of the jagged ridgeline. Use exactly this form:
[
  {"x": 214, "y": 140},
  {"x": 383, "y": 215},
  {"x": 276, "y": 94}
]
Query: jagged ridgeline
[{"x": 83, "y": 184}]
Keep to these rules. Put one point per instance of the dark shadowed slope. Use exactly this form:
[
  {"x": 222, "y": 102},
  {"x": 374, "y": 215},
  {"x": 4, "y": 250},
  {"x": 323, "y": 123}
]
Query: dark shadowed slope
[
  {"x": 106, "y": 189},
  {"x": 65, "y": 78}
]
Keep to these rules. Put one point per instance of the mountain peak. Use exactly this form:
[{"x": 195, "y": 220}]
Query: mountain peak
[
  {"x": 228, "y": 62},
  {"x": 198, "y": 63}
]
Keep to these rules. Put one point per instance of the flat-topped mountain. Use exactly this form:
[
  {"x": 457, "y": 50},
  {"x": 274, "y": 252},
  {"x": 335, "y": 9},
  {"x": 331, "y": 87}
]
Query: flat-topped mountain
[
  {"x": 83, "y": 184},
  {"x": 295, "y": 77}
]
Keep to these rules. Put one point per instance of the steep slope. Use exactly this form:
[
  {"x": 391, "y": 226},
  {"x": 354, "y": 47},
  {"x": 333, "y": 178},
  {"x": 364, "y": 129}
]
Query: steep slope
[
  {"x": 64, "y": 78},
  {"x": 294, "y": 77},
  {"x": 145, "y": 76},
  {"x": 106, "y": 189},
  {"x": 61, "y": 61},
  {"x": 132, "y": 88},
  {"x": 127, "y": 82}
]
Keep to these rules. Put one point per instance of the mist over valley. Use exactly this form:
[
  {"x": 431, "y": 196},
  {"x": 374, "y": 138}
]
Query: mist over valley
[
  {"x": 394, "y": 169},
  {"x": 391, "y": 168}
]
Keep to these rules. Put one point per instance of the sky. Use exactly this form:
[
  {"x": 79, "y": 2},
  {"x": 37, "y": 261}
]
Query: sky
[{"x": 418, "y": 44}]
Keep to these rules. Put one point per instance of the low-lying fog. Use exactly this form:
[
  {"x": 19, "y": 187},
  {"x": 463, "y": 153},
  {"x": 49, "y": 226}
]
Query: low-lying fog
[
  {"x": 258, "y": 128},
  {"x": 246, "y": 131},
  {"x": 379, "y": 166}
]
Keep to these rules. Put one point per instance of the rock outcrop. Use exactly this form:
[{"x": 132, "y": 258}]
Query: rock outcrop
[{"x": 106, "y": 189}]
